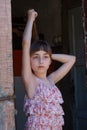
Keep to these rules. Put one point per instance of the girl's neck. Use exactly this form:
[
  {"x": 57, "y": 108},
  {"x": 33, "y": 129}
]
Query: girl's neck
[{"x": 41, "y": 76}]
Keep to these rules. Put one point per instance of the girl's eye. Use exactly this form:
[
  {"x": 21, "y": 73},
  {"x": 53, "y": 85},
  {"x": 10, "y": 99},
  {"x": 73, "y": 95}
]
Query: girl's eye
[
  {"x": 46, "y": 56},
  {"x": 35, "y": 57}
]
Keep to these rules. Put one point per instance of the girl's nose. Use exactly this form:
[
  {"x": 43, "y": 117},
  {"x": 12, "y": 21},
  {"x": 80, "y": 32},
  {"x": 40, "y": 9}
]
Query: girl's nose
[{"x": 41, "y": 60}]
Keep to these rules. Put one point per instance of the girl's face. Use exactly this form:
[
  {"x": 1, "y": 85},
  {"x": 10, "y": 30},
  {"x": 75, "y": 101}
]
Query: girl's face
[{"x": 40, "y": 62}]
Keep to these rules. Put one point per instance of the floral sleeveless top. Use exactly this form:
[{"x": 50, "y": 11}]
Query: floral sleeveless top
[{"x": 44, "y": 110}]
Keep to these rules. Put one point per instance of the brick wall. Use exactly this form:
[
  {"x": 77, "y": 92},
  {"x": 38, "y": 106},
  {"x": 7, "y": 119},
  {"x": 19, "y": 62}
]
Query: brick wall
[{"x": 6, "y": 68}]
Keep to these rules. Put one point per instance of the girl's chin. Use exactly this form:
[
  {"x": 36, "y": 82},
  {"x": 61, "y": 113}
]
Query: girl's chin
[{"x": 41, "y": 72}]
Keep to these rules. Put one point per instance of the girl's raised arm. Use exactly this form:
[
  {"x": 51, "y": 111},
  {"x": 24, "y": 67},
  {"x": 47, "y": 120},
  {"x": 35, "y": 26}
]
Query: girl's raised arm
[
  {"x": 26, "y": 68},
  {"x": 67, "y": 60}
]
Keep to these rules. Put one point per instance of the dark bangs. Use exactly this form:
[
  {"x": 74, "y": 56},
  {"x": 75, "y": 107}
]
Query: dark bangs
[{"x": 40, "y": 45}]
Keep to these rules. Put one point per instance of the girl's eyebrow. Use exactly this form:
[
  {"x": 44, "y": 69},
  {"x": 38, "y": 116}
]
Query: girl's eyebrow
[
  {"x": 46, "y": 54},
  {"x": 35, "y": 54}
]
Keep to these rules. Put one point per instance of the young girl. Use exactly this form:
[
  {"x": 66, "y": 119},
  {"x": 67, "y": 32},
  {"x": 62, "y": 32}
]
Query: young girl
[{"x": 43, "y": 99}]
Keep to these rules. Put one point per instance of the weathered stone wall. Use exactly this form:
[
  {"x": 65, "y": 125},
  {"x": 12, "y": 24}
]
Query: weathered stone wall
[
  {"x": 7, "y": 115},
  {"x": 7, "y": 121}
]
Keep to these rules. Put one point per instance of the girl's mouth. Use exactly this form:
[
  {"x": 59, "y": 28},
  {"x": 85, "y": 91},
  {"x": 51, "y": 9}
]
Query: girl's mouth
[{"x": 40, "y": 66}]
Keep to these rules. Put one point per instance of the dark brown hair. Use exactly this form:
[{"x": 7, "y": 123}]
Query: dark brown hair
[{"x": 40, "y": 45}]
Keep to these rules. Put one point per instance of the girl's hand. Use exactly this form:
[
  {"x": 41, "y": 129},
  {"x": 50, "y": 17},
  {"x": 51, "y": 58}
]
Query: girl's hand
[{"x": 32, "y": 14}]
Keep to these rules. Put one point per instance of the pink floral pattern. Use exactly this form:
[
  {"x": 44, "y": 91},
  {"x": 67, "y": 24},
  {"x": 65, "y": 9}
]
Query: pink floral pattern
[{"x": 44, "y": 111}]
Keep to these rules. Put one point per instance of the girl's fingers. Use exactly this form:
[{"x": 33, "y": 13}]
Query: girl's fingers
[{"x": 32, "y": 12}]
